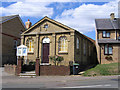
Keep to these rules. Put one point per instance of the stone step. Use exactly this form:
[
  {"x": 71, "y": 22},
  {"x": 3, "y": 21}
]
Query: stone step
[
  {"x": 28, "y": 74},
  {"x": 33, "y": 72}
]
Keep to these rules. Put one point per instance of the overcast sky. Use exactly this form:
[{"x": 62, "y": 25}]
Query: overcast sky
[{"x": 78, "y": 15}]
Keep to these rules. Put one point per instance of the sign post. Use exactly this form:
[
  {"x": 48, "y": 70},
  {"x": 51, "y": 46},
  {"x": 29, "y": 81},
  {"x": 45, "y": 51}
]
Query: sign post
[{"x": 21, "y": 51}]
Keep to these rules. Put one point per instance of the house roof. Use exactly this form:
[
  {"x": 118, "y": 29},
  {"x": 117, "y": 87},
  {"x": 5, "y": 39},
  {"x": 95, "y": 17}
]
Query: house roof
[
  {"x": 6, "y": 18},
  {"x": 108, "y": 41},
  {"x": 108, "y": 24}
]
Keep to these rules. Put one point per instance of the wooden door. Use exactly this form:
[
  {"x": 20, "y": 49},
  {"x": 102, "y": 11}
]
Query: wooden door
[{"x": 45, "y": 53}]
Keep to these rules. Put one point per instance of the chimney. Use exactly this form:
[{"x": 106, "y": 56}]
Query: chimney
[
  {"x": 112, "y": 16},
  {"x": 28, "y": 24}
]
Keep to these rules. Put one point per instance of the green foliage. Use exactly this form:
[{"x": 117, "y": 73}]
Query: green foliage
[
  {"x": 103, "y": 69},
  {"x": 56, "y": 59},
  {"x": 31, "y": 63}
]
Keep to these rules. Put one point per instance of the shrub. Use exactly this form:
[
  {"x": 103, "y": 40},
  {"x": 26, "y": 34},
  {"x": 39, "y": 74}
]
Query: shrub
[{"x": 56, "y": 59}]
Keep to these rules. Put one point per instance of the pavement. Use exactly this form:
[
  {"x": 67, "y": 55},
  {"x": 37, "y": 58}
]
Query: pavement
[{"x": 71, "y": 81}]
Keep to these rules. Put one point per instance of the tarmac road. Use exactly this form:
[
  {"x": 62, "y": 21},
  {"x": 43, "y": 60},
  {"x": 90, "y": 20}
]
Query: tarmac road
[{"x": 10, "y": 81}]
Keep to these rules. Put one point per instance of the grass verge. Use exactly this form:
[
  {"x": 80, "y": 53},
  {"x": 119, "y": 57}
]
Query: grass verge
[{"x": 102, "y": 70}]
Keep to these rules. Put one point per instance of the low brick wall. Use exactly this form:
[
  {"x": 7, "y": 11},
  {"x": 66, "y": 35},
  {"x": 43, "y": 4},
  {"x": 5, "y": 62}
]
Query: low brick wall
[
  {"x": 11, "y": 69},
  {"x": 54, "y": 70}
]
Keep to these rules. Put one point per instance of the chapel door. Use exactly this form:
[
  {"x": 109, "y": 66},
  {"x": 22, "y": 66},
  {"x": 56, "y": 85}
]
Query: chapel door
[{"x": 45, "y": 53}]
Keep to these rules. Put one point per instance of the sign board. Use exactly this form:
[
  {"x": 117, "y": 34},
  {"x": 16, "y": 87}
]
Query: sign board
[{"x": 22, "y": 50}]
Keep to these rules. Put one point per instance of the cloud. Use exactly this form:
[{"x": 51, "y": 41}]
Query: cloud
[
  {"x": 83, "y": 17},
  {"x": 34, "y": 9}
]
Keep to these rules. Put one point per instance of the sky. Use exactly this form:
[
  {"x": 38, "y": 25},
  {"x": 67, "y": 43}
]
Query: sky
[{"x": 77, "y": 14}]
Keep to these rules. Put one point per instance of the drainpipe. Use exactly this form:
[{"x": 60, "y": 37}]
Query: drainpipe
[{"x": 100, "y": 54}]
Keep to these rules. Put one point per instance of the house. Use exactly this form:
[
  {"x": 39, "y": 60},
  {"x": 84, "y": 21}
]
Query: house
[
  {"x": 48, "y": 37},
  {"x": 108, "y": 39},
  {"x": 11, "y": 29}
]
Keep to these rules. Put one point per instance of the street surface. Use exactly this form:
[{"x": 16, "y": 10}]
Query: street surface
[{"x": 73, "y": 81}]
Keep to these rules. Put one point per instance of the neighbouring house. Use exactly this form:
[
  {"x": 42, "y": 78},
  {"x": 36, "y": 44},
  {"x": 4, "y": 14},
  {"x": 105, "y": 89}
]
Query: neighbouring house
[
  {"x": 48, "y": 38},
  {"x": 11, "y": 29},
  {"x": 108, "y": 39}
]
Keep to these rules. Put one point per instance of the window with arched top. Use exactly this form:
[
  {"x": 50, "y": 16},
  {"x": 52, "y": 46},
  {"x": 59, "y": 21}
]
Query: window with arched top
[
  {"x": 63, "y": 44},
  {"x": 77, "y": 43},
  {"x": 30, "y": 45}
]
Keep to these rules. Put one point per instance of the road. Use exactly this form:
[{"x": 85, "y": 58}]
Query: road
[{"x": 11, "y": 81}]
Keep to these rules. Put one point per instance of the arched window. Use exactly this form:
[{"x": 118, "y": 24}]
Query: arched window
[
  {"x": 30, "y": 45},
  {"x": 63, "y": 44},
  {"x": 77, "y": 43}
]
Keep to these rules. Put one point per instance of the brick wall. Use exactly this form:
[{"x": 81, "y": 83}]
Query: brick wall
[
  {"x": 11, "y": 69},
  {"x": 54, "y": 70}
]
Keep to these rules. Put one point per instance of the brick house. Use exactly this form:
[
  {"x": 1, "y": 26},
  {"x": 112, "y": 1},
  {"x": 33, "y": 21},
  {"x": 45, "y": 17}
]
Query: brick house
[
  {"x": 108, "y": 39},
  {"x": 11, "y": 29},
  {"x": 48, "y": 37}
]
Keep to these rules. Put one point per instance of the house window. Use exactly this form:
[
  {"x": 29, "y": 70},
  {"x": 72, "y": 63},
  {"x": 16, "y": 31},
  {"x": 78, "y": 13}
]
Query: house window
[
  {"x": 108, "y": 49},
  {"x": 89, "y": 50},
  {"x": 77, "y": 43},
  {"x": 63, "y": 44},
  {"x": 30, "y": 45},
  {"x": 106, "y": 34},
  {"x": 15, "y": 44},
  {"x": 84, "y": 47}
]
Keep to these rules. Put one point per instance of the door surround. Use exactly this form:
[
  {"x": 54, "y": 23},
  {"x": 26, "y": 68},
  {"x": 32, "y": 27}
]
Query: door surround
[{"x": 45, "y": 50}]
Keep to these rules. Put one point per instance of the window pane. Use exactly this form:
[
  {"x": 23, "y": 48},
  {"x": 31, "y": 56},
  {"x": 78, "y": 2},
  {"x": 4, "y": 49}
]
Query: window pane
[
  {"x": 108, "y": 34},
  {"x": 110, "y": 50},
  {"x": 63, "y": 44},
  {"x": 104, "y": 32},
  {"x": 106, "y": 50},
  {"x": 77, "y": 43}
]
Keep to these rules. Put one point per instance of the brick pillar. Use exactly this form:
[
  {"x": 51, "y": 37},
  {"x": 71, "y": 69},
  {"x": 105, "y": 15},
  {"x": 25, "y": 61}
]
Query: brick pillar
[
  {"x": 37, "y": 68},
  {"x": 19, "y": 66}
]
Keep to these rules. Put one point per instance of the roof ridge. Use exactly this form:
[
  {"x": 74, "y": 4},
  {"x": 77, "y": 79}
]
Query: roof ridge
[{"x": 11, "y": 15}]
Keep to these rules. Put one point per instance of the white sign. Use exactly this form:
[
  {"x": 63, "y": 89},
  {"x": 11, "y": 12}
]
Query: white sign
[{"x": 22, "y": 50}]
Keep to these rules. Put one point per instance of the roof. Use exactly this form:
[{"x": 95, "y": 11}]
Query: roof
[
  {"x": 46, "y": 18},
  {"x": 49, "y": 19},
  {"x": 6, "y": 18},
  {"x": 107, "y": 24},
  {"x": 108, "y": 41}
]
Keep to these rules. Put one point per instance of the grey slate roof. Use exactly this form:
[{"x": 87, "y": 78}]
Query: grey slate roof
[
  {"x": 6, "y": 18},
  {"x": 108, "y": 41},
  {"x": 102, "y": 24}
]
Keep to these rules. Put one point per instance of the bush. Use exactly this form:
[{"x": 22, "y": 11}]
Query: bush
[{"x": 56, "y": 59}]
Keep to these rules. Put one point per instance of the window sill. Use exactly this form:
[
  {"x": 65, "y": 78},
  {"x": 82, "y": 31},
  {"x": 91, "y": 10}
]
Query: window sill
[
  {"x": 63, "y": 52},
  {"x": 30, "y": 52},
  {"x": 108, "y": 54}
]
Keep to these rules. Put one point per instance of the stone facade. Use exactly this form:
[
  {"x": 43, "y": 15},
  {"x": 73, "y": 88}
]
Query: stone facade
[
  {"x": 54, "y": 31},
  {"x": 12, "y": 27}
]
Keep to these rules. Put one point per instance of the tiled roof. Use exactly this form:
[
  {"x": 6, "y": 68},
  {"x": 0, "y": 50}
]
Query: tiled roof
[
  {"x": 107, "y": 24},
  {"x": 6, "y": 18},
  {"x": 108, "y": 41}
]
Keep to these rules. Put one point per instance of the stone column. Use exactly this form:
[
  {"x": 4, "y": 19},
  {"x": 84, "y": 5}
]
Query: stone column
[
  {"x": 22, "y": 40},
  {"x": 53, "y": 44},
  {"x": 37, "y": 46},
  {"x": 71, "y": 46},
  {"x": 37, "y": 67},
  {"x": 19, "y": 66}
]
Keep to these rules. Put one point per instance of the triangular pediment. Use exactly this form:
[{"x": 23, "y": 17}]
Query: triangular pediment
[{"x": 47, "y": 25}]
